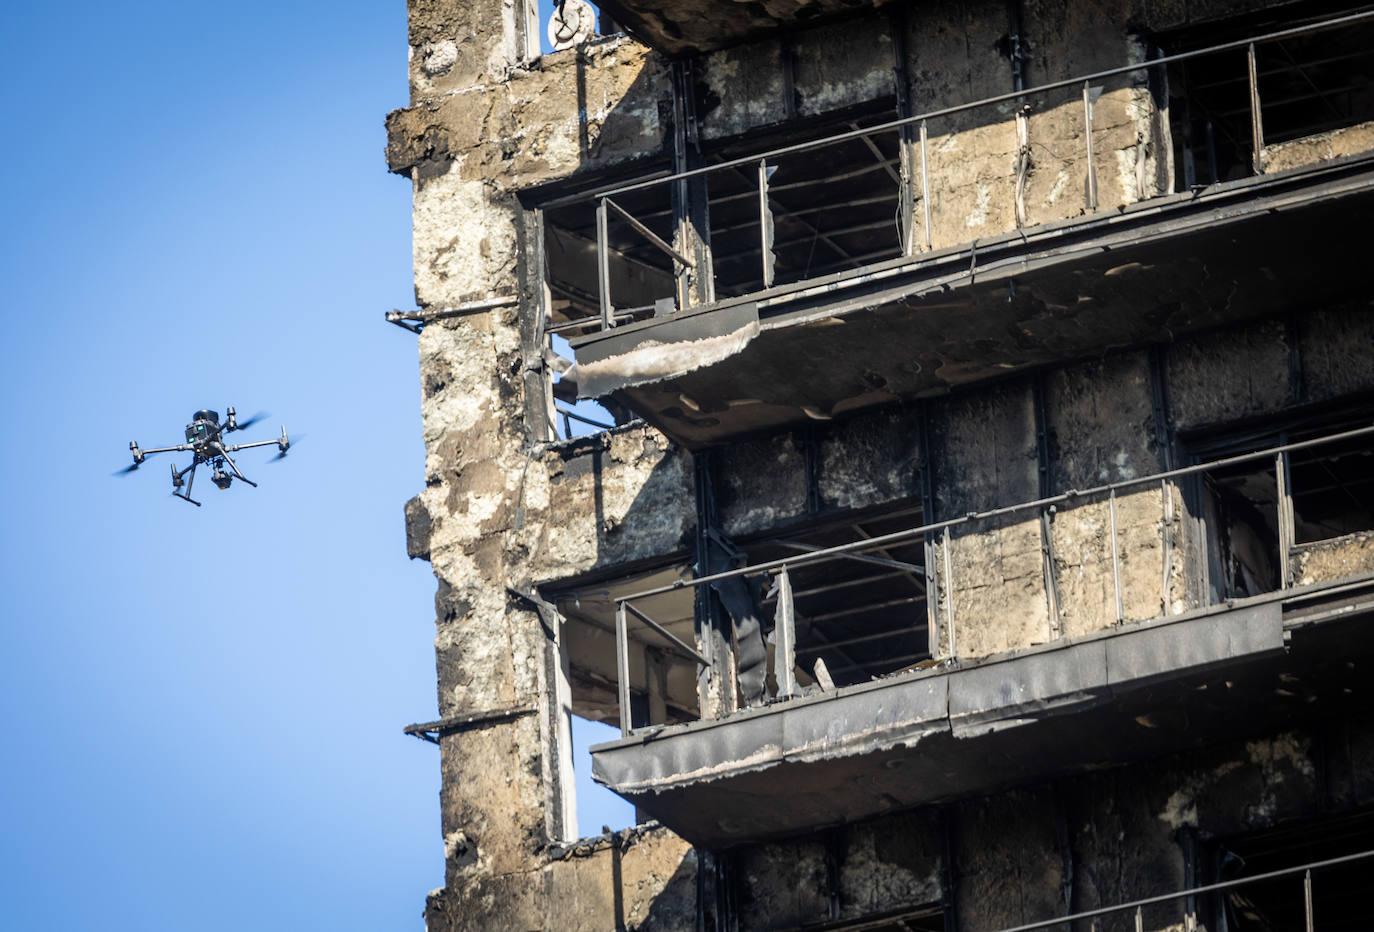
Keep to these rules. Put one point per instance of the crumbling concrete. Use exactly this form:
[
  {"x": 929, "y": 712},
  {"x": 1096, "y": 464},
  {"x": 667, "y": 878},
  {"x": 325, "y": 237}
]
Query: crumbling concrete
[
  {"x": 867, "y": 461},
  {"x": 986, "y": 445},
  {"x": 578, "y": 109},
  {"x": 1214, "y": 381},
  {"x": 1348, "y": 557},
  {"x": 610, "y": 500},
  {"x": 1102, "y": 430},
  {"x": 1309, "y": 150},
  {"x": 634, "y": 879},
  {"x": 1333, "y": 351}
]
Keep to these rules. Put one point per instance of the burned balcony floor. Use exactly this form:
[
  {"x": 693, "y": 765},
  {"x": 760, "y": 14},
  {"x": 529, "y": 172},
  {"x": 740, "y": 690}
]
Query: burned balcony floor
[
  {"x": 1130, "y": 693},
  {"x": 918, "y": 326}
]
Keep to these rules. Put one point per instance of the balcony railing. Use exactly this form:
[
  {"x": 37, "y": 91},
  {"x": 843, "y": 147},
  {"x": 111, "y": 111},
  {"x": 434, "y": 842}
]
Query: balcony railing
[
  {"x": 632, "y": 620},
  {"x": 1136, "y": 908},
  {"x": 919, "y": 174}
]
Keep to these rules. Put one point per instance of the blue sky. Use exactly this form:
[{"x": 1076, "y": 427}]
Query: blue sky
[{"x": 202, "y": 707}]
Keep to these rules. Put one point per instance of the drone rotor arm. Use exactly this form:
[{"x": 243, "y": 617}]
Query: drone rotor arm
[
  {"x": 139, "y": 454},
  {"x": 179, "y": 448}
]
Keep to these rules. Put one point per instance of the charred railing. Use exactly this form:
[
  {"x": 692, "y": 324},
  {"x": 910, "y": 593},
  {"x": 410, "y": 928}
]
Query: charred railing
[
  {"x": 914, "y": 183},
  {"x": 1187, "y": 898},
  {"x": 629, "y": 616}
]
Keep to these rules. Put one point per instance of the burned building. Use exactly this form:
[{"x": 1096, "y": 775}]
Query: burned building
[{"x": 982, "y": 531}]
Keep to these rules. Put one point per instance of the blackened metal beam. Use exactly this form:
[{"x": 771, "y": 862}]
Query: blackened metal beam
[
  {"x": 906, "y": 135},
  {"x": 1256, "y": 117},
  {"x": 927, "y": 515},
  {"x": 878, "y": 154},
  {"x": 911, "y": 574},
  {"x": 857, "y": 557},
  {"x": 713, "y": 635},
  {"x": 842, "y": 584},
  {"x": 1164, "y": 446},
  {"x": 864, "y": 607},
  {"x": 1042, "y": 455},
  {"x": 664, "y": 632},
  {"x": 649, "y": 234},
  {"x": 534, "y": 339},
  {"x": 433, "y": 731},
  {"x": 423, "y": 316}
]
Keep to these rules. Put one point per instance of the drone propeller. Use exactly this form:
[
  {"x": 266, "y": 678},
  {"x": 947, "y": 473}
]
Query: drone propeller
[
  {"x": 249, "y": 422},
  {"x": 285, "y": 444},
  {"x": 125, "y": 471}
]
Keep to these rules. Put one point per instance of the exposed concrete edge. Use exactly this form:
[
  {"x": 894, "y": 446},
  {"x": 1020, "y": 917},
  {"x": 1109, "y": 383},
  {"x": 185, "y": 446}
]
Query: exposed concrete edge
[
  {"x": 1010, "y": 252},
  {"x": 967, "y": 703},
  {"x": 660, "y": 360}
]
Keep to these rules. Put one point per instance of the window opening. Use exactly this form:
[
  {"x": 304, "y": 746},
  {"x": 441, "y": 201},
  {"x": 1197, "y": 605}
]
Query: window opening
[
  {"x": 1242, "y": 508},
  {"x": 1339, "y": 892},
  {"x": 640, "y": 280},
  {"x": 830, "y": 210},
  {"x": 663, "y": 683},
  {"x": 573, "y": 417},
  {"x": 861, "y": 616},
  {"x": 597, "y": 807},
  {"x": 640, "y": 275},
  {"x": 1333, "y": 489},
  {"x": 1307, "y": 85},
  {"x": 1329, "y": 495},
  {"x": 857, "y": 617}
]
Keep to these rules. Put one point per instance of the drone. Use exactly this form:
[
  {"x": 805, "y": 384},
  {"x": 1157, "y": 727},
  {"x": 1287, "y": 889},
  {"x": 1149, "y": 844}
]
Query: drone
[{"x": 205, "y": 438}]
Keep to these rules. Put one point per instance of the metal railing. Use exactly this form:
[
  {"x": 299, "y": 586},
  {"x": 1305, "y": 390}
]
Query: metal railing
[
  {"x": 1137, "y": 907},
  {"x": 915, "y": 155},
  {"x": 786, "y": 648}
]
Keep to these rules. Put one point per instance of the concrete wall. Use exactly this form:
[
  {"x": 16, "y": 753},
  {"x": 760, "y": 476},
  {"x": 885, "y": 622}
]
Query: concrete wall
[
  {"x": 1102, "y": 429},
  {"x": 501, "y": 512},
  {"x": 985, "y": 446},
  {"x": 481, "y": 112},
  {"x": 1070, "y": 845},
  {"x": 637, "y": 879}
]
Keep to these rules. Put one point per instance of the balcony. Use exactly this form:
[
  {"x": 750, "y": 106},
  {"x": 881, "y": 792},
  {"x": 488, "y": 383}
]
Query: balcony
[
  {"x": 676, "y": 28},
  {"x": 1263, "y": 648},
  {"x": 836, "y": 272}
]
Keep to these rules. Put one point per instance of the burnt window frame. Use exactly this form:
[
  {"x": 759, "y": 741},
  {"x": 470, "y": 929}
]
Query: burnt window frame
[
  {"x": 1210, "y": 124},
  {"x": 1288, "y": 540},
  {"x": 1286, "y": 845},
  {"x": 735, "y": 236},
  {"x": 854, "y": 649}
]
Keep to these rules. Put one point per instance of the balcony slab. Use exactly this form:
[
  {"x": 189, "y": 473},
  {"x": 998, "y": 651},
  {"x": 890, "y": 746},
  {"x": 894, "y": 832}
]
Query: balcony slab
[
  {"x": 922, "y": 326},
  {"x": 922, "y": 738}
]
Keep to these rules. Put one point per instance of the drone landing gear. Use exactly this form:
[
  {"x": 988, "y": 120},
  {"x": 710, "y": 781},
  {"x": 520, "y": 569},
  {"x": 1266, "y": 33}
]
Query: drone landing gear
[
  {"x": 178, "y": 482},
  {"x": 237, "y": 474}
]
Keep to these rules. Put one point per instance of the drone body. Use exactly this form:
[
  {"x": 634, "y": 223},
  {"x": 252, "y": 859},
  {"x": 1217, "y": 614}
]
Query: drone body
[{"x": 205, "y": 439}]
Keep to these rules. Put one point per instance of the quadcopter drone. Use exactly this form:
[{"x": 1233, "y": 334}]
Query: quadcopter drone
[{"x": 205, "y": 438}]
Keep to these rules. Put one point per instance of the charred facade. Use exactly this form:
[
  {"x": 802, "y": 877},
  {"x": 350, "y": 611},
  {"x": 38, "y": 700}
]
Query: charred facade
[{"x": 982, "y": 531}]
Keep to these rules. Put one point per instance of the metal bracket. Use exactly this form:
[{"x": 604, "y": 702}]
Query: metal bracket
[
  {"x": 433, "y": 731},
  {"x": 423, "y": 317}
]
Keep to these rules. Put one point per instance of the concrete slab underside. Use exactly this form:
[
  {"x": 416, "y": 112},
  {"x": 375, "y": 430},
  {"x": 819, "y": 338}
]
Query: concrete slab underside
[
  {"x": 922, "y": 327},
  {"x": 699, "y": 25},
  {"x": 1131, "y": 694}
]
